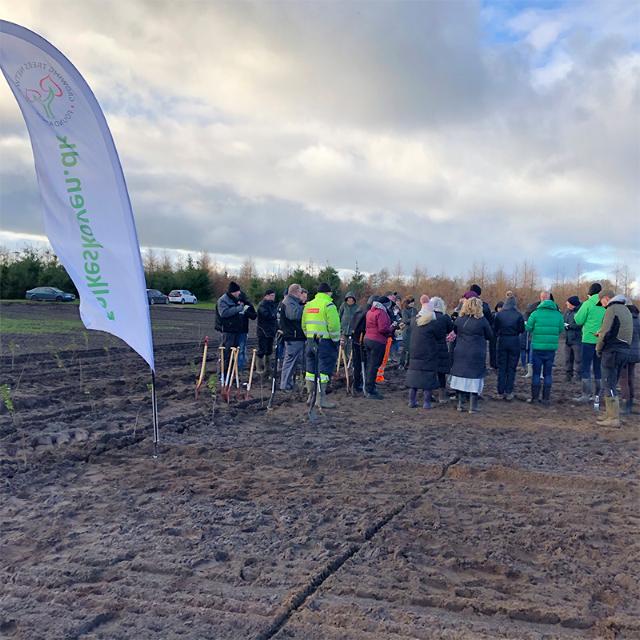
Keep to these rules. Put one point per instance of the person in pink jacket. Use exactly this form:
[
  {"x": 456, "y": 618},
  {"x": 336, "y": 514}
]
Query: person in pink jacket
[{"x": 378, "y": 329}]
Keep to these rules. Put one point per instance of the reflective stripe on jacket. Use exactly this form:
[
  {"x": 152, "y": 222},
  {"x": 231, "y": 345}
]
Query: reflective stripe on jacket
[{"x": 320, "y": 318}]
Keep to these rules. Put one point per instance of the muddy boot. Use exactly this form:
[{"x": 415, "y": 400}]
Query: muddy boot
[
  {"x": 443, "y": 396},
  {"x": 322, "y": 401},
  {"x": 535, "y": 393},
  {"x": 460, "y": 397},
  {"x": 413, "y": 394},
  {"x": 585, "y": 396},
  {"x": 309, "y": 385},
  {"x": 473, "y": 403},
  {"x": 426, "y": 400},
  {"x": 612, "y": 416},
  {"x": 546, "y": 395},
  {"x": 529, "y": 372},
  {"x": 260, "y": 366}
]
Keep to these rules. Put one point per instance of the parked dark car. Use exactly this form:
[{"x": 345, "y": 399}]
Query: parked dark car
[
  {"x": 49, "y": 293},
  {"x": 156, "y": 297}
]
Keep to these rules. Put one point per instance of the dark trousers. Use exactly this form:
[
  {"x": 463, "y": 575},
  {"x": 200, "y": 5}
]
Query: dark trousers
[
  {"x": 590, "y": 358},
  {"x": 265, "y": 346},
  {"x": 359, "y": 356},
  {"x": 493, "y": 352},
  {"x": 573, "y": 359},
  {"x": 543, "y": 362},
  {"x": 327, "y": 359},
  {"x": 508, "y": 352},
  {"x": 613, "y": 361},
  {"x": 442, "y": 379},
  {"x": 375, "y": 355},
  {"x": 627, "y": 381}
]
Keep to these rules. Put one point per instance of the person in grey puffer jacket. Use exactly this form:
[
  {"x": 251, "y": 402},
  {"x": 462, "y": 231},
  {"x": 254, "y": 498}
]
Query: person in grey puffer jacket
[
  {"x": 346, "y": 312},
  {"x": 573, "y": 339}
]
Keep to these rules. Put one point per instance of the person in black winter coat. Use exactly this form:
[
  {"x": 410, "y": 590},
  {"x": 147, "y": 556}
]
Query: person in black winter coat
[
  {"x": 358, "y": 351},
  {"x": 573, "y": 339},
  {"x": 508, "y": 326},
  {"x": 266, "y": 330},
  {"x": 444, "y": 360},
  {"x": 470, "y": 353},
  {"x": 427, "y": 333},
  {"x": 627, "y": 376},
  {"x": 493, "y": 344},
  {"x": 249, "y": 314}
]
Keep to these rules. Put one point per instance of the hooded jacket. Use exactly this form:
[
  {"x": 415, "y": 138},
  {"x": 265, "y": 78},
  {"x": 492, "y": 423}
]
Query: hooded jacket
[
  {"x": 320, "y": 317},
  {"x": 508, "y": 322},
  {"x": 616, "y": 331},
  {"x": 378, "y": 327},
  {"x": 589, "y": 317},
  {"x": 229, "y": 318},
  {"x": 545, "y": 324},
  {"x": 290, "y": 319},
  {"x": 428, "y": 332},
  {"x": 347, "y": 311}
]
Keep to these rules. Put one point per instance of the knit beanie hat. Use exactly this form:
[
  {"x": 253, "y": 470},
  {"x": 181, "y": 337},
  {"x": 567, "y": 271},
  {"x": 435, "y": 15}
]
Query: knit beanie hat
[
  {"x": 574, "y": 300},
  {"x": 596, "y": 287},
  {"x": 233, "y": 287},
  {"x": 268, "y": 292},
  {"x": 323, "y": 287},
  {"x": 476, "y": 288}
]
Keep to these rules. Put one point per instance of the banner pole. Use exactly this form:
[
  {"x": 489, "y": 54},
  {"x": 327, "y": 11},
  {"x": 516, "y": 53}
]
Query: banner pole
[{"x": 154, "y": 403}]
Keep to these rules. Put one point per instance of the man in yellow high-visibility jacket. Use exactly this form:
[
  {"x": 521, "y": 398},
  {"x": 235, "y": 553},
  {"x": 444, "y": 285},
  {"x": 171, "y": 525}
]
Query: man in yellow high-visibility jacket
[{"x": 320, "y": 318}]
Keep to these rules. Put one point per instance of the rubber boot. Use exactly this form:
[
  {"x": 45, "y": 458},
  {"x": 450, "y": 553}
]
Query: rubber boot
[
  {"x": 443, "y": 396},
  {"x": 585, "y": 396},
  {"x": 612, "y": 417},
  {"x": 322, "y": 401},
  {"x": 473, "y": 403},
  {"x": 546, "y": 395},
  {"x": 309, "y": 384},
  {"x": 529, "y": 371},
  {"x": 413, "y": 394},
  {"x": 426, "y": 400},
  {"x": 460, "y": 397},
  {"x": 260, "y": 366},
  {"x": 535, "y": 393}
]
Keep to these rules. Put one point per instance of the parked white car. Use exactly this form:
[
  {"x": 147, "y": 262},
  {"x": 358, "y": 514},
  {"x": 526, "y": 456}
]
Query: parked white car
[{"x": 182, "y": 296}]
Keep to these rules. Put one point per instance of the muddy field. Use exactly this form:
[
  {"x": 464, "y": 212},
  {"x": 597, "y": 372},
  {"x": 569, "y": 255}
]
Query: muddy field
[{"x": 375, "y": 522}]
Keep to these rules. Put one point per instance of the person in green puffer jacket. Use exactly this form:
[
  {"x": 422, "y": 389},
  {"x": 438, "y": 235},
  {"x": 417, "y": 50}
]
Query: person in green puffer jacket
[
  {"x": 545, "y": 324},
  {"x": 589, "y": 316}
]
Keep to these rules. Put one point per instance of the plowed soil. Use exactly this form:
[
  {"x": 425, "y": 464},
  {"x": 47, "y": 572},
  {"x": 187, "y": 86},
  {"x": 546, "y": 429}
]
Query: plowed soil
[{"x": 374, "y": 521}]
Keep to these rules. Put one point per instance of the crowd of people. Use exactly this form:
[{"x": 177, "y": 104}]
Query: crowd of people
[{"x": 443, "y": 354}]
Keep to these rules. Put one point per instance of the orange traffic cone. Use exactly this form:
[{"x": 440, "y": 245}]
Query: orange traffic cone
[{"x": 385, "y": 359}]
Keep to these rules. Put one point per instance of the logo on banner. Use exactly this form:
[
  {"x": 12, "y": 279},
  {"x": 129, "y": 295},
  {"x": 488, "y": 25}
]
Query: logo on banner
[{"x": 48, "y": 91}]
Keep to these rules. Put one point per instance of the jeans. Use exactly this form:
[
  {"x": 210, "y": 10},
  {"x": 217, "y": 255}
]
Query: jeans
[
  {"x": 572, "y": 359},
  {"x": 375, "y": 355},
  {"x": 508, "y": 350},
  {"x": 543, "y": 361},
  {"x": 242, "y": 353},
  {"x": 589, "y": 357},
  {"x": 292, "y": 360}
]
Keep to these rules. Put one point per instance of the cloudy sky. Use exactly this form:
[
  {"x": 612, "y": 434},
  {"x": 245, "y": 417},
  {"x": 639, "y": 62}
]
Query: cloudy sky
[{"x": 431, "y": 133}]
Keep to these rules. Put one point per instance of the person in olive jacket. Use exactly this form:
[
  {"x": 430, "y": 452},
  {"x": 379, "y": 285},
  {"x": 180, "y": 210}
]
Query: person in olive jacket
[
  {"x": 572, "y": 338},
  {"x": 508, "y": 325},
  {"x": 589, "y": 317},
  {"x": 545, "y": 324}
]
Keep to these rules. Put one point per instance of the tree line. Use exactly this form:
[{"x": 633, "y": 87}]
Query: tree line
[{"x": 207, "y": 279}]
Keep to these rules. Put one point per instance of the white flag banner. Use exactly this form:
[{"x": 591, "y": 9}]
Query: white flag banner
[{"x": 87, "y": 212}]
